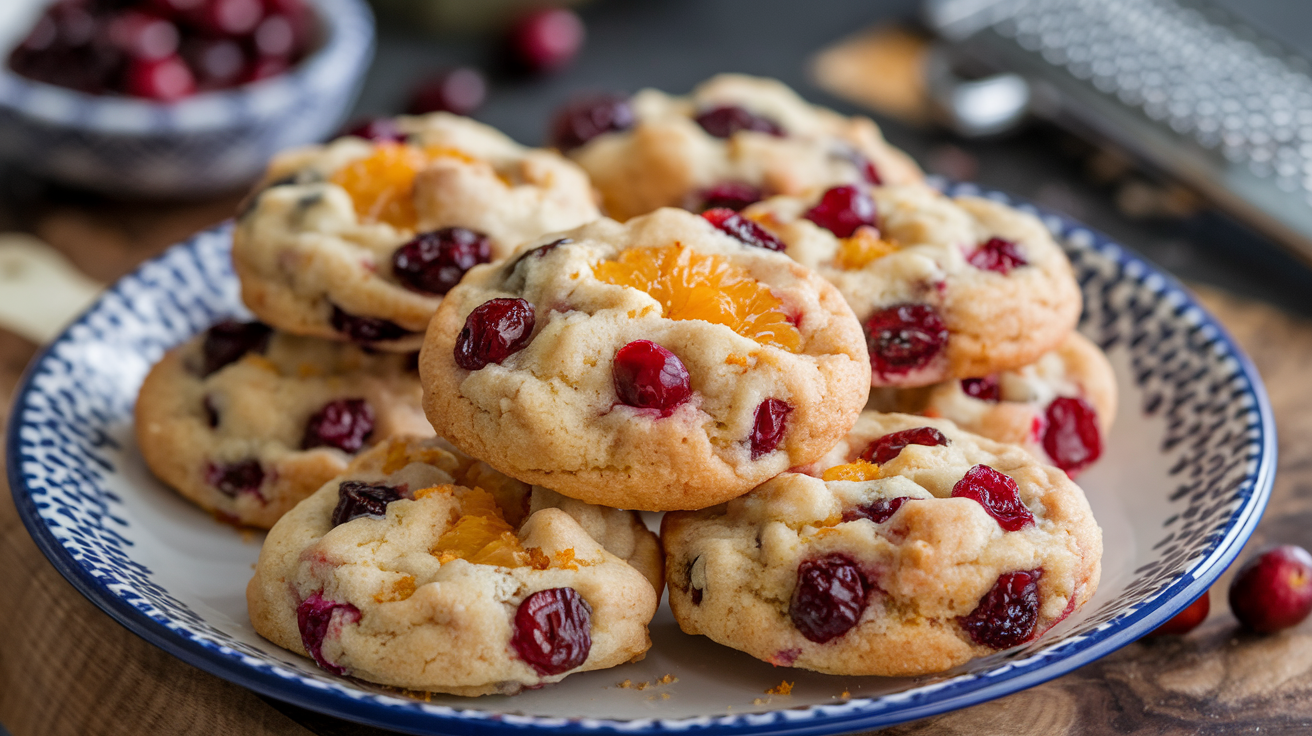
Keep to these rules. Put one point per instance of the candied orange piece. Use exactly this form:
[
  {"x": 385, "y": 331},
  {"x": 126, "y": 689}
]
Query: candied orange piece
[
  {"x": 478, "y": 502},
  {"x": 471, "y": 534},
  {"x": 399, "y": 590},
  {"x": 382, "y": 185},
  {"x": 861, "y": 248},
  {"x": 859, "y": 470},
  {"x": 691, "y": 285}
]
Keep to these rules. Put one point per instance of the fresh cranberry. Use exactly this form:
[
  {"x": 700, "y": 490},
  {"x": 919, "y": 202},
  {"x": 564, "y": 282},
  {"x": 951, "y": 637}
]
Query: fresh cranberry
[
  {"x": 889, "y": 446},
  {"x": 732, "y": 223},
  {"x": 1006, "y": 615},
  {"x": 863, "y": 165},
  {"x": 494, "y": 331},
  {"x": 342, "y": 423},
  {"x": 830, "y": 596},
  {"x": 997, "y": 493},
  {"x": 1072, "y": 438},
  {"x": 231, "y": 479},
  {"x": 729, "y": 195},
  {"x": 314, "y": 617},
  {"x": 217, "y": 62},
  {"x": 164, "y": 80},
  {"x": 264, "y": 68},
  {"x": 842, "y": 210},
  {"x": 650, "y": 377},
  {"x": 232, "y": 18},
  {"x": 275, "y": 36},
  {"x": 434, "y": 262},
  {"x": 356, "y": 499},
  {"x": 724, "y": 121},
  {"x": 586, "y": 118},
  {"x": 227, "y": 341},
  {"x": 768, "y": 426},
  {"x": 378, "y": 130},
  {"x": 1273, "y": 591},
  {"x": 1186, "y": 620},
  {"x": 366, "y": 329},
  {"x": 547, "y": 40},
  {"x": 143, "y": 35},
  {"x": 878, "y": 511},
  {"x": 984, "y": 389},
  {"x": 996, "y": 254},
  {"x": 904, "y": 337},
  {"x": 460, "y": 91},
  {"x": 553, "y": 630}
]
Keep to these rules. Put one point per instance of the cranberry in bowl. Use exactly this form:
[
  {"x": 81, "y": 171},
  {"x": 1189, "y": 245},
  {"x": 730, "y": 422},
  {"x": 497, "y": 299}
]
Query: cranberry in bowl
[{"x": 138, "y": 98}]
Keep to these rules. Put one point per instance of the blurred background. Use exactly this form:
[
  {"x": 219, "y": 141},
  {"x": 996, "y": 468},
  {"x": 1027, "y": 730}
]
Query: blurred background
[{"x": 913, "y": 65}]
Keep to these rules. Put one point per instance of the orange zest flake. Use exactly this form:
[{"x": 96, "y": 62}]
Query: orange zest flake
[
  {"x": 691, "y": 285},
  {"x": 382, "y": 184},
  {"x": 565, "y": 559},
  {"x": 400, "y": 589},
  {"x": 398, "y": 456},
  {"x": 431, "y": 490},
  {"x": 537, "y": 559},
  {"x": 861, "y": 248},
  {"x": 783, "y": 688},
  {"x": 736, "y": 360},
  {"x": 855, "y": 471}
]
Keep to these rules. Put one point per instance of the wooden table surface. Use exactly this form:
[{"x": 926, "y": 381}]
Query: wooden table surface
[{"x": 66, "y": 668}]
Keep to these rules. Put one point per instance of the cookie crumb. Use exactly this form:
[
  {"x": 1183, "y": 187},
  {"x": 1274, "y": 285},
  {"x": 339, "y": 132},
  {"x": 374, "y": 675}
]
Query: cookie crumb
[
  {"x": 643, "y": 685},
  {"x": 845, "y": 694},
  {"x": 760, "y": 701},
  {"x": 667, "y": 679},
  {"x": 626, "y": 684},
  {"x": 665, "y": 696},
  {"x": 783, "y": 688}
]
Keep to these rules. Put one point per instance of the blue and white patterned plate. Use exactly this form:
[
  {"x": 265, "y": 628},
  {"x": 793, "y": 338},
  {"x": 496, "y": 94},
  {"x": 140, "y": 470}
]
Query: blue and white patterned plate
[{"x": 1186, "y": 475}]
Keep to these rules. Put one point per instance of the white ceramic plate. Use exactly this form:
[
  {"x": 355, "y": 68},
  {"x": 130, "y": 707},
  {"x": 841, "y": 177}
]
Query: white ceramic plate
[{"x": 1185, "y": 476}]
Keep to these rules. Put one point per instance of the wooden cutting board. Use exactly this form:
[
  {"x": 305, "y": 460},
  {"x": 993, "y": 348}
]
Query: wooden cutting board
[{"x": 67, "y": 669}]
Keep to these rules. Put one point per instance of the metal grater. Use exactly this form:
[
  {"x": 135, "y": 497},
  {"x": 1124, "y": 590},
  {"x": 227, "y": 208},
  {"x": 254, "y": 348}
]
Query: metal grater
[{"x": 1182, "y": 84}]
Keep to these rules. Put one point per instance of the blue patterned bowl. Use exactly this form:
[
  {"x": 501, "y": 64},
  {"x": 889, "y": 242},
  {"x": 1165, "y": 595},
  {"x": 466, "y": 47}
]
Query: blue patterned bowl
[
  {"x": 1187, "y": 472},
  {"x": 213, "y": 142}
]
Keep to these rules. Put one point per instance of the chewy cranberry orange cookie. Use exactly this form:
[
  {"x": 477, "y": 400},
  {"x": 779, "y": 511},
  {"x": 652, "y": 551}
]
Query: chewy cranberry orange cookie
[
  {"x": 358, "y": 240},
  {"x": 1059, "y": 408},
  {"x": 733, "y": 141},
  {"x": 923, "y": 548},
  {"x": 423, "y": 569},
  {"x": 945, "y": 287},
  {"x": 245, "y": 421},
  {"x": 660, "y": 364}
]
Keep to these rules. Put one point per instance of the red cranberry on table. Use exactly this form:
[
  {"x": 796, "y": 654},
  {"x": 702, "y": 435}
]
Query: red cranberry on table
[
  {"x": 1186, "y": 620},
  {"x": 546, "y": 40},
  {"x": 460, "y": 91},
  {"x": 648, "y": 376},
  {"x": 1273, "y": 591}
]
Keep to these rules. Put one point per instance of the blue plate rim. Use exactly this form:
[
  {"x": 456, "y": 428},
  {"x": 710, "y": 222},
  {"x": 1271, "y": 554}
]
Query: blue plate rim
[{"x": 858, "y": 714}]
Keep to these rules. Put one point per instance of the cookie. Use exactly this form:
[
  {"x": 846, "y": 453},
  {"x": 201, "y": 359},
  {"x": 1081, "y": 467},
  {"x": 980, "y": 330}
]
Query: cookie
[
  {"x": 245, "y": 421},
  {"x": 945, "y": 287},
  {"x": 423, "y": 569},
  {"x": 659, "y": 364},
  {"x": 358, "y": 240},
  {"x": 948, "y": 546},
  {"x": 1060, "y": 407},
  {"x": 734, "y": 140}
]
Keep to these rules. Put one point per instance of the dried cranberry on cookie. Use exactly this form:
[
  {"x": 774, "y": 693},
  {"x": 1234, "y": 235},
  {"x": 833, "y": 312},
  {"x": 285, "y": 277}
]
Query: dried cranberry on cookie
[
  {"x": 359, "y": 239},
  {"x": 1060, "y": 407},
  {"x": 424, "y": 569},
  {"x": 923, "y": 548},
  {"x": 944, "y": 287},
  {"x": 664, "y": 363},
  {"x": 733, "y": 141},
  {"x": 245, "y": 421}
]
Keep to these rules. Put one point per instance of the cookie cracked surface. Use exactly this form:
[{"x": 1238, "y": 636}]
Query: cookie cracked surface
[
  {"x": 424, "y": 569},
  {"x": 737, "y": 133},
  {"x": 944, "y": 287},
  {"x": 939, "y": 554},
  {"x": 318, "y": 248},
  {"x": 659, "y": 364},
  {"x": 245, "y": 422}
]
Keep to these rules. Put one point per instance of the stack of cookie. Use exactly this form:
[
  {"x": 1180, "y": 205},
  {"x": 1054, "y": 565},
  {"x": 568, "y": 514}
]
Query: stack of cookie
[{"x": 716, "y": 364}]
